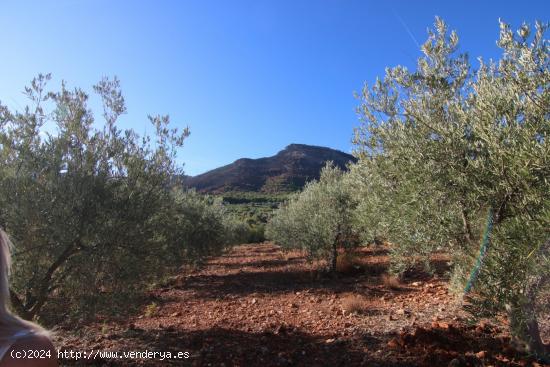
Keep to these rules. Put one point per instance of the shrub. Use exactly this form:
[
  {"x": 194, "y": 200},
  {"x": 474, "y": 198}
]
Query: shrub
[
  {"x": 353, "y": 304},
  {"x": 256, "y": 233},
  {"x": 151, "y": 309},
  {"x": 391, "y": 281}
]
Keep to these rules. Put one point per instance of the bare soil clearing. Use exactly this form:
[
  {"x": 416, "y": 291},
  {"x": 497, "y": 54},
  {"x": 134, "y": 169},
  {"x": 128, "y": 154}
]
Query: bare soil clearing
[{"x": 258, "y": 306}]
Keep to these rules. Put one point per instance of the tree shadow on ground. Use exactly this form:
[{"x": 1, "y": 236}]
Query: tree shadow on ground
[
  {"x": 373, "y": 250},
  {"x": 439, "y": 267},
  {"x": 297, "y": 347},
  {"x": 272, "y": 282},
  {"x": 260, "y": 263},
  {"x": 213, "y": 286},
  {"x": 227, "y": 347}
]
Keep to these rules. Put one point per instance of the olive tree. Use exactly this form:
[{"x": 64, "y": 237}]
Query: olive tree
[
  {"x": 442, "y": 145},
  {"x": 318, "y": 219},
  {"x": 202, "y": 227},
  {"x": 92, "y": 209}
]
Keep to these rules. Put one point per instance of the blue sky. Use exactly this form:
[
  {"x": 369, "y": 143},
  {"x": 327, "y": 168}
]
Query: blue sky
[{"x": 247, "y": 77}]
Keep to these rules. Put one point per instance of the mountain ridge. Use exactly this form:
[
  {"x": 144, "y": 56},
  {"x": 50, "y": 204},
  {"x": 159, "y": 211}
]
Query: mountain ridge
[{"x": 287, "y": 170}]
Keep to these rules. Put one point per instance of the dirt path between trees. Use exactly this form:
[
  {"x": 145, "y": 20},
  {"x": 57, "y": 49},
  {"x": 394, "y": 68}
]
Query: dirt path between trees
[{"x": 258, "y": 306}]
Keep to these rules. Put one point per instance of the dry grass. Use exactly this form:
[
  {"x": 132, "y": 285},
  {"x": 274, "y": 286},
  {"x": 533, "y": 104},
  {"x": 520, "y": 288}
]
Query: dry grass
[
  {"x": 354, "y": 304},
  {"x": 391, "y": 281},
  {"x": 345, "y": 263},
  {"x": 151, "y": 309},
  {"x": 287, "y": 254}
]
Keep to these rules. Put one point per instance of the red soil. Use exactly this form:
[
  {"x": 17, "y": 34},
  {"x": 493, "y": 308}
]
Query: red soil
[{"x": 258, "y": 306}]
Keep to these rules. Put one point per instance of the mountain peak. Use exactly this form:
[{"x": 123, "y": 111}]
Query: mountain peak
[
  {"x": 288, "y": 170},
  {"x": 295, "y": 146}
]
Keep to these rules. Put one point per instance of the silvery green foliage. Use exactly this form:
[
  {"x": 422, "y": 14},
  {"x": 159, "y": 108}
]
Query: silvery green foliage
[
  {"x": 318, "y": 219},
  {"x": 441, "y": 145},
  {"x": 405, "y": 162},
  {"x": 90, "y": 208},
  {"x": 202, "y": 227}
]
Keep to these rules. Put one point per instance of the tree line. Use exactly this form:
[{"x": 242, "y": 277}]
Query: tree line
[{"x": 448, "y": 156}]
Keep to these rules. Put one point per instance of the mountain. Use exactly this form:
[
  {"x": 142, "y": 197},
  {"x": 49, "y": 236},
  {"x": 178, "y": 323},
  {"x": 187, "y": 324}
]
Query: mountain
[{"x": 288, "y": 170}]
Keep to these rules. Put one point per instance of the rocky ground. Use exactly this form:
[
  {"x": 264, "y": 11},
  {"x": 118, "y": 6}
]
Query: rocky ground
[{"x": 258, "y": 306}]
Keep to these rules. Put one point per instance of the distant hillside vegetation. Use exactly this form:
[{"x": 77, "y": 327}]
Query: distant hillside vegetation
[{"x": 286, "y": 171}]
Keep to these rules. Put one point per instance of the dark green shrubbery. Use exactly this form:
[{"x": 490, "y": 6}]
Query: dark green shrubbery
[{"x": 254, "y": 209}]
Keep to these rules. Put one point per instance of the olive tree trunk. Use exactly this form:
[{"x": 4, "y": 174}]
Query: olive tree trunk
[{"x": 523, "y": 316}]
